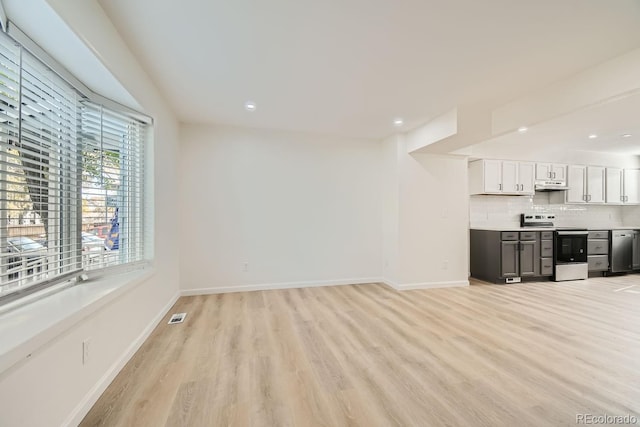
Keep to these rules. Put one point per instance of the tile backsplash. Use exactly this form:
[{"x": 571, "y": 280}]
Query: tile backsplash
[{"x": 504, "y": 211}]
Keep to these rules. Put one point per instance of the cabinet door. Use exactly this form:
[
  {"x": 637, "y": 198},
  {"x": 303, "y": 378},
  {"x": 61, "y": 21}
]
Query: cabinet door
[
  {"x": 492, "y": 176},
  {"x": 576, "y": 183},
  {"x": 595, "y": 184},
  {"x": 543, "y": 171},
  {"x": 509, "y": 259},
  {"x": 614, "y": 186},
  {"x": 559, "y": 172},
  {"x": 510, "y": 182},
  {"x": 526, "y": 172},
  {"x": 529, "y": 259},
  {"x": 632, "y": 186},
  {"x": 636, "y": 250}
]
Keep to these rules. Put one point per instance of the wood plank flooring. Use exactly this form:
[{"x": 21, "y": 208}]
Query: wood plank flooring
[{"x": 533, "y": 354}]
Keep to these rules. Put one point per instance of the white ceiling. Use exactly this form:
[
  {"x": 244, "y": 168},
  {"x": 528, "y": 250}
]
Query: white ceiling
[
  {"x": 609, "y": 121},
  {"x": 349, "y": 67}
]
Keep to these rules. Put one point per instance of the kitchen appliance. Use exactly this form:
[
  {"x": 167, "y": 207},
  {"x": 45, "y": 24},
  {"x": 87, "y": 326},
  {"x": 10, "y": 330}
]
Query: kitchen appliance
[
  {"x": 621, "y": 251},
  {"x": 570, "y": 254},
  {"x": 537, "y": 220},
  {"x": 550, "y": 185}
]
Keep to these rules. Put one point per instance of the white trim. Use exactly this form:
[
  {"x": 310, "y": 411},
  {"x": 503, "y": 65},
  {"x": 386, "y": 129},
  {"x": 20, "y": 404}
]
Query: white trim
[
  {"x": 425, "y": 285},
  {"x": 18, "y": 35},
  {"x": 96, "y": 391},
  {"x": 3, "y": 17},
  {"x": 283, "y": 285}
]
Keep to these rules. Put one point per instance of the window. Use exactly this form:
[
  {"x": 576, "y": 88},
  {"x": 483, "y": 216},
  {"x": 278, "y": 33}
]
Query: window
[{"x": 71, "y": 178}]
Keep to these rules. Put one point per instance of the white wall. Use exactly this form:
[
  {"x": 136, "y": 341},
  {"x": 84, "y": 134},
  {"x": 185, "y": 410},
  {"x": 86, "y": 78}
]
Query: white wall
[
  {"x": 431, "y": 217},
  {"x": 631, "y": 217},
  {"x": 52, "y": 386},
  {"x": 300, "y": 209},
  {"x": 391, "y": 151},
  {"x": 434, "y": 218}
]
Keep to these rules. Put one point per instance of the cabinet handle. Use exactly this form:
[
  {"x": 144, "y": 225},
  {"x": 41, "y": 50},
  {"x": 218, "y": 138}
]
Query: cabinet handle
[
  {"x": 553, "y": 174},
  {"x": 500, "y": 187}
]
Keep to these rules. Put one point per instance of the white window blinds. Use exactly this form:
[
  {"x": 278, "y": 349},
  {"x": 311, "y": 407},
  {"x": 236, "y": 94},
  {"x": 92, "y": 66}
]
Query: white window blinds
[
  {"x": 112, "y": 181},
  {"x": 71, "y": 178}
]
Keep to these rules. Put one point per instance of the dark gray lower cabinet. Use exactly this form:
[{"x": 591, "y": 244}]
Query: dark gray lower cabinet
[
  {"x": 546, "y": 266},
  {"x": 497, "y": 256},
  {"x": 529, "y": 258},
  {"x": 598, "y": 251},
  {"x": 636, "y": 249},
  {"x": 510, "y": 259}
]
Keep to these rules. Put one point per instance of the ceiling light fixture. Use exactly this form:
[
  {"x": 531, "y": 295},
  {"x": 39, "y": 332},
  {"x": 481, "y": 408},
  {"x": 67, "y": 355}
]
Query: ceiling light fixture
[
  {"x": 593, "y": 136},
  {"x": 626, "y": 135},
  {"x": 398, "y": 122},
  {"x": 523, "y": 129},
  {"x": 250, "y": 106}
]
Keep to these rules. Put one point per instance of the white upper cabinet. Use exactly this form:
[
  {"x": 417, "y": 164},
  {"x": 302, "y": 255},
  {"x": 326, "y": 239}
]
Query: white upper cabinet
[
  {"x": 551, "y": 172},
  {"x": 623, "y": 186},
  {"x": 576, "y": 179},
  {"x": 510, "y": 182},
  {"x": 526, "y": 172},
  {"x": 586, "y": 184},
  {"x": 631, "y": 186},
  {"x": 501, "y": 177},
  {"x": 493, "y": 176},
  {"x": 614, "y": 177},
  {"x": 595, "y": 184}
]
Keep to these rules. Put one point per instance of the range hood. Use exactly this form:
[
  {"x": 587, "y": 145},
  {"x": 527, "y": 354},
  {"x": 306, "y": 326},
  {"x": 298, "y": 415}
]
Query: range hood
[{"x": 549, "y": 185}]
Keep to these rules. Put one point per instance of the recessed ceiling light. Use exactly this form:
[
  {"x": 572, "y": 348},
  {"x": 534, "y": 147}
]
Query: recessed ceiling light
[
  {"x": 626, "y": 135},
  {"x": 593, "y": 136},
  {"x": 250, "y": 106},
  {"x": 523, "y": 129},
  {"x": 398, "y": 122}
]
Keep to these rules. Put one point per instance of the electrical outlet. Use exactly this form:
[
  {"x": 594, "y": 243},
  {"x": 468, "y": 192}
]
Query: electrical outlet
[
  {"x": 86, "y": 353},
  {"x": 245, "y": 266},
  {"x": 445, "y": 264}
]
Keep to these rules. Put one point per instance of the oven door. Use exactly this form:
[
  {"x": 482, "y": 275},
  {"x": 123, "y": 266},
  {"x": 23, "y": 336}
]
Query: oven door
[{"x": 571, "y": 247}]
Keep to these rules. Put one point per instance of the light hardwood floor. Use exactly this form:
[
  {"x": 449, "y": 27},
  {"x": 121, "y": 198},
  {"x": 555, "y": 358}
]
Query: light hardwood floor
[{"x": 531, "y": 354}]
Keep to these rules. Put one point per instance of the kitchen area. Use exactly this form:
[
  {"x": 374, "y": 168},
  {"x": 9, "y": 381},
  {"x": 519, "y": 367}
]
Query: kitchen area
[{"x": 542, "y": 221}]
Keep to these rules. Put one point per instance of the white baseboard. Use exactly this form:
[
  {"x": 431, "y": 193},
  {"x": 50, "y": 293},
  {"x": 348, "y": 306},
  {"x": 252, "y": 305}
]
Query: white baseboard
[
  {"x": 282, "y": 285},
  {"x": 94, "y": 394},
  {"x": 425, "y": 285}
]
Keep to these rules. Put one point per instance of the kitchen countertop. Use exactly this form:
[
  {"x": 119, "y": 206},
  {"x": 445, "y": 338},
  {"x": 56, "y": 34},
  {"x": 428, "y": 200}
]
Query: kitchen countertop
[
  {"x": 514, "y": 228},
  {"x": 550, "y": 228}
]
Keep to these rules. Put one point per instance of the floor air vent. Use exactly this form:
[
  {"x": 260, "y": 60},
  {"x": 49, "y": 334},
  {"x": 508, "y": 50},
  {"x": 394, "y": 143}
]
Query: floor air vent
[{"x": 177, "y": 318}]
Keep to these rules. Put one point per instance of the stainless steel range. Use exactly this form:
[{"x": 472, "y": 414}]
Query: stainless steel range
[
  {"x": 570, "y": 254},
  {"x": 570, "y": 247}
]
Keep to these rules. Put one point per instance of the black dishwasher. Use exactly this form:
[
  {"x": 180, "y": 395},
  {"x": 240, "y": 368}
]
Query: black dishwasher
[{"x": 621, "y": 251}]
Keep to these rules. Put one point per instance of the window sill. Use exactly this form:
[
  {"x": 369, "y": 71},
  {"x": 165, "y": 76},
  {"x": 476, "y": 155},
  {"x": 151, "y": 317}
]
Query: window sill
[{"x": 27, "y": 328}]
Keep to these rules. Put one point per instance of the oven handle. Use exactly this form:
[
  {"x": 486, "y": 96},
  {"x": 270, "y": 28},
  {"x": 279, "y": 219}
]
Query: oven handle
[{"x": 572, "y": 233}]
